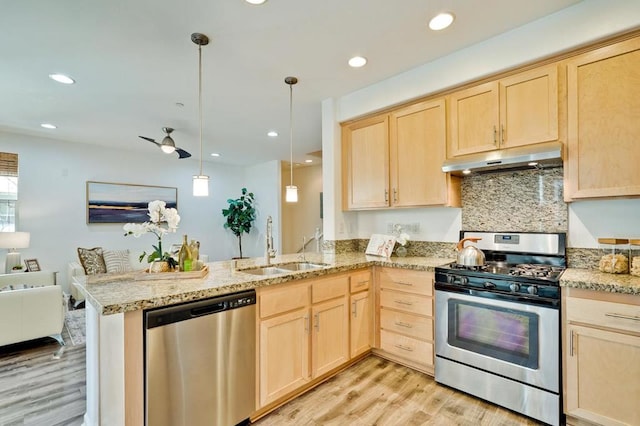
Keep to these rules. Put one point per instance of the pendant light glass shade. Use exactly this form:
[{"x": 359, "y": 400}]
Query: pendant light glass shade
[
  {"x": 291, "y": 194},
  {"x": 200, "y": 182},
  {"x": 200, "y": 186}
]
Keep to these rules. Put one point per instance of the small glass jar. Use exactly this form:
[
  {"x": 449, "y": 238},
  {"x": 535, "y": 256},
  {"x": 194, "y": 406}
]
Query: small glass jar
[
  {"x": 634, "y": 257},
  {"x": 614, "y": 254}
]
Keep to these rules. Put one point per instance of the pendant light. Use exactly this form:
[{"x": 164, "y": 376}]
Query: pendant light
[
  {"x": 291, "y": 195},
  {"x": 200, "y": 182}
]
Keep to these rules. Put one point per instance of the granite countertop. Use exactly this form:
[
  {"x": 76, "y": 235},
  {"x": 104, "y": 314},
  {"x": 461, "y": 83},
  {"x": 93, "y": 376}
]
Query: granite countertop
[
  {"x": 591, "y": 279},
  {"x": 117, "y": 293}
]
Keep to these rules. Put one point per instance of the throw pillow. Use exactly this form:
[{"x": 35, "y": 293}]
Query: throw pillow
[
  {"x": 92, "y": 260},
  {"x": 117, "y": 261}
]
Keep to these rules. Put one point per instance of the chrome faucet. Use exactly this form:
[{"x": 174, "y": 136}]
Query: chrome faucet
[{"x": 271, "y": 252}]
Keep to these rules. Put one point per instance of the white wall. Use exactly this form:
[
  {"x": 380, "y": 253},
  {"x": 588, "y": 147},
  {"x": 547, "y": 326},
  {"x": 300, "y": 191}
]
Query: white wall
[
  {"x": 52, "y": 198},
  {"x": 264, "y": 181},
  {"x": 302, "y": 218},
  {"x": 580, "y": 24}
]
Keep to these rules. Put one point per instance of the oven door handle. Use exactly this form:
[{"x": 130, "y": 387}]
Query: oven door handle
[{"x": 499, "y": 295}]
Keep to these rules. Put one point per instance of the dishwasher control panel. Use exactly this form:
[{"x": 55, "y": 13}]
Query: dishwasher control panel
[{"x": 243, "y": 301}]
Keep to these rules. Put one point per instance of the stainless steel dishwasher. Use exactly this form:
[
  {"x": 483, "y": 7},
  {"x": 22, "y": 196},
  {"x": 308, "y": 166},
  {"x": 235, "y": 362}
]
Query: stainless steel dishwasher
[{"x": 200, "y": 362}]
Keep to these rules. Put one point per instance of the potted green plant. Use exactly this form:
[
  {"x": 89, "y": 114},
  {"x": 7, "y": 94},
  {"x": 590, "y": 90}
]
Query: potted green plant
[{"x": 240, "y": 215}]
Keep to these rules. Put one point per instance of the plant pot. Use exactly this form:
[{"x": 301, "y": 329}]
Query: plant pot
[{"x": 159, "y": 266}]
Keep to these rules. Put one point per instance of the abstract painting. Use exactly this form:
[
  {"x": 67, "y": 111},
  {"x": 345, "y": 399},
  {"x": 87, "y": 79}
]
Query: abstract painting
[{"x": 124, "y": 203}]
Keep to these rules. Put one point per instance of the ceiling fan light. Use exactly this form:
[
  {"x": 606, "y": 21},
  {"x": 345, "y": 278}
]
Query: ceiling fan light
[
  {"x": 291, "y": 194},
  {"x": 168, "y": 146},
  {"x": 200, "y": 186}
]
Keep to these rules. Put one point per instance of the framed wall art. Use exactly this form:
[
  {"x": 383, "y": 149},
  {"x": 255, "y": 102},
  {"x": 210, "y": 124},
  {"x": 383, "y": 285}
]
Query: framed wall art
[{"x": 124, "y": 203}]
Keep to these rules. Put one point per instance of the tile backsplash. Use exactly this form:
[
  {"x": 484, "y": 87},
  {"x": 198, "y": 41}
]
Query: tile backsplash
[{"x": 518, "y": 201}]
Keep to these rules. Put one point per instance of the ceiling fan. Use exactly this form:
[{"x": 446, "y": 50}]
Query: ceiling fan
[{"x": 168, "y": 145}]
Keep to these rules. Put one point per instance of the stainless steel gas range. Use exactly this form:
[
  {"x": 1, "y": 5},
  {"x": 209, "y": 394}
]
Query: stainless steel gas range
[{"x": 498, "y": 325}]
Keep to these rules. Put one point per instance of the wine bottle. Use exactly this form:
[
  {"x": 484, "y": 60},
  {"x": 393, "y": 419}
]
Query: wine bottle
[{"x": 185, "y": 258}]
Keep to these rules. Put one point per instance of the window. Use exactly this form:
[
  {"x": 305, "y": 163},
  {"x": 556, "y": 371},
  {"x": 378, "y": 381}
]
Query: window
[{"x": 8, "y": 191}]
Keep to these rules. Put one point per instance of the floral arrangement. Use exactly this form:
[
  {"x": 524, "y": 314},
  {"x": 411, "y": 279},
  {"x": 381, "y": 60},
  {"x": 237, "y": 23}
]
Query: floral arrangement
[
  {"x": 402, "y": 239},
  {"x": 158, "y": 214}
]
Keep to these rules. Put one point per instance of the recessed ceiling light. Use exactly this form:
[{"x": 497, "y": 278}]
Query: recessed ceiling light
[
  {"x": 357, "y": 61},
  {"x": 256, "y": 1},
  {"x": 215, "y": 154},
  {"x": 466, "y": 172},
  {"x": 61, "y": 78},
  {"x": 272, "y": 133},
  {"x": 48, "y": 126},
  {"x": 441, "y": 21},
  {"x": 308, "y": 161}
]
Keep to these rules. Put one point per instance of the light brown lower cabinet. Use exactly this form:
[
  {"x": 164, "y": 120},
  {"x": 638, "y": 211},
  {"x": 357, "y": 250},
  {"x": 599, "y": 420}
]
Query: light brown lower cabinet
[
  {"x": 304, "y": 333},
  {"x": 602, "y": 358},
  {"x": 405, "y": 317},
  {"x": 361, "y": 321}
]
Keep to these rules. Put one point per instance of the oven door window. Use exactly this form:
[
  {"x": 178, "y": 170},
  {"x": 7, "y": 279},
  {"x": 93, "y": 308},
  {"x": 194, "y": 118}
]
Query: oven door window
[{"x": 501, "y": 333}]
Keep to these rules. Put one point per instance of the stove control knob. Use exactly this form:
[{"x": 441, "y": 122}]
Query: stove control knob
[
  {"x": 451, "y": 279},
  {"x": 464, "y": 280},
  {"x": 489, "y": 285},
  {"x": 514, "y": 287},
  {"x": 532, "y": 289}
]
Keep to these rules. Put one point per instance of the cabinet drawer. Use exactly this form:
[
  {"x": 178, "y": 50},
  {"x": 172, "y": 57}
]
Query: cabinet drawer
[
  {"x": 360, "y": 281},
  {"x": 329, "y": 288},
  {"x": 604, "y": 314},
  {"x": 419, "y": 282},
  {"x": 408, "y": 324},
  {"x": 407, "y": 347},
  {"x": 282, "y": 299},
  {"x": 406, "y": 302}
]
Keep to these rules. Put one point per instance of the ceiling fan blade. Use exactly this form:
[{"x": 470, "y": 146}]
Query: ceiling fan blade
[
  {"x": 182, "y": 153},
  {"x": 149, "y": 139}
]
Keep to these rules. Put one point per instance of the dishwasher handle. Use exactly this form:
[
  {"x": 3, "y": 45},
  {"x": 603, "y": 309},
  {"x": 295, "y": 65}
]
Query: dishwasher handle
[
  {"x": 209, "y": 309},
  {"x": 171, "y": 314}
]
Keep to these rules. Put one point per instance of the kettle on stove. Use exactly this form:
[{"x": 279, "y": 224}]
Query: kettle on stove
[{"x": 470, "y": 255}]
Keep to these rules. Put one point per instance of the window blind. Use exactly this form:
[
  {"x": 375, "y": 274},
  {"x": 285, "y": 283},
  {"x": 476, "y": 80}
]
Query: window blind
[{"x": 8, "y": 164}]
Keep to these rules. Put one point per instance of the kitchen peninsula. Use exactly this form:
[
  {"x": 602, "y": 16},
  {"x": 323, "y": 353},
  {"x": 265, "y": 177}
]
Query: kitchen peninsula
[
  {"x": 115, "y": 384},
  {"x": 115, "y": 305}
]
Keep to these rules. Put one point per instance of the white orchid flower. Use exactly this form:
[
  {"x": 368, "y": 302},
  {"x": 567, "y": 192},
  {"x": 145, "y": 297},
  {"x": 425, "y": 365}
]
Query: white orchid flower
[
  {"x": 156, "y": 209},
  {"x": 135, "y": 229},
  {"x": 172, "y": 218},
  {"x": 403, "y": 239}
]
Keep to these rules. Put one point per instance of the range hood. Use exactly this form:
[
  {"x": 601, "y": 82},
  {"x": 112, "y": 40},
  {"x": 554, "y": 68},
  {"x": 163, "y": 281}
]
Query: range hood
[{"x": 544, "y": 155}]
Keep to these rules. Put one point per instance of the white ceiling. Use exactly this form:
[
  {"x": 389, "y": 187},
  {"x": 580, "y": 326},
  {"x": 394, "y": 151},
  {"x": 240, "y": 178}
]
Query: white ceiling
[{"x": 133, "y": 60}]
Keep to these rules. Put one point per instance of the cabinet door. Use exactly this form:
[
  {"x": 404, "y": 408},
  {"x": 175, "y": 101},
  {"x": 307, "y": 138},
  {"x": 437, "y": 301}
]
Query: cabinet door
[
  {"x": 529, "y": 107},
  {"x": 603, "y": 133},
  {"x": 473, "y": 120},
  {"x": 330, "y": 337},
  {"x": 417, "y": 151},
  {"x": 365, "y": 164},
  {"x": 284, "y": 354},
  {"x": 360, "y": 324},
  {"x": 603, "y": 376}
]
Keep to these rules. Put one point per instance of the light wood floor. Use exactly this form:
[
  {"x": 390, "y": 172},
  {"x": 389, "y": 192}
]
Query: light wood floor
[
  {"x": 36, "y": 389},
  {"x": 379, "y": 392}
]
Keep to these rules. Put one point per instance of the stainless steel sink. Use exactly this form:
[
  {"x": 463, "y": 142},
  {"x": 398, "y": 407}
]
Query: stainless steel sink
[
  {"x": 266, "y": 270},
  {"x": 302, "y": 266},
  {"x": 285, "y": 268}
]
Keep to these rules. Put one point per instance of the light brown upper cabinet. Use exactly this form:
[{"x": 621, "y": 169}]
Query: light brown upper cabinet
[
  {"x": 603, "y": 89},
  {"x": 518, "y": 110},
  {"x": 395, "y": 160}
]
